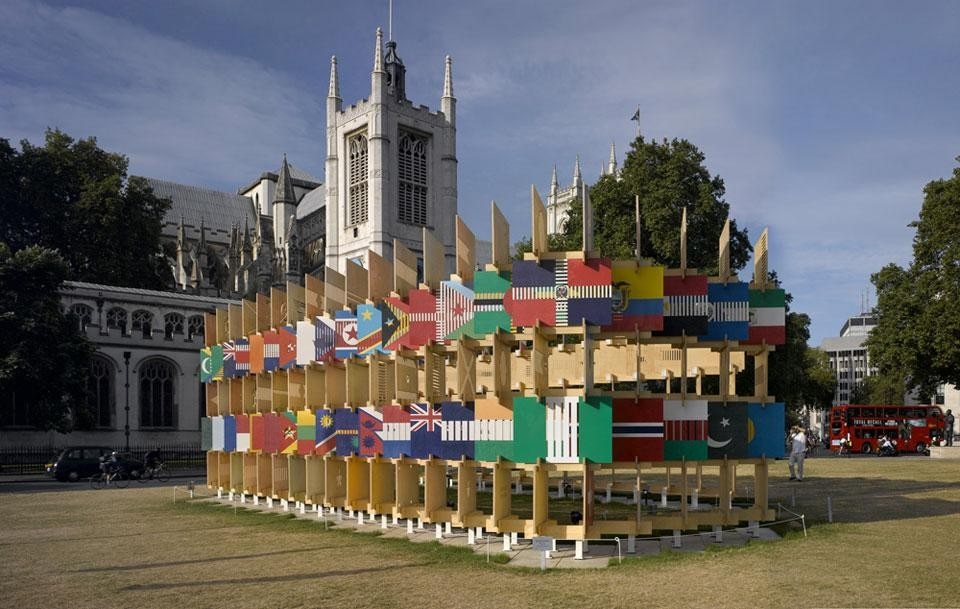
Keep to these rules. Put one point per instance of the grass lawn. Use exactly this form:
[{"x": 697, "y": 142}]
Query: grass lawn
[{"x": 895, "y": 542}]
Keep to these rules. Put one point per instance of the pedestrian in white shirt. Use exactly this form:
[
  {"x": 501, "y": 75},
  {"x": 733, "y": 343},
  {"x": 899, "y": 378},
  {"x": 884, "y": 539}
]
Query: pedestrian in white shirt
[{"x": 798, "y": 450}]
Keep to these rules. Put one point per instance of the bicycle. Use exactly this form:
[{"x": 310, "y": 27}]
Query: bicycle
[
  {"x": 113, "y": 477},
  {"x": 157, "y": 472}
]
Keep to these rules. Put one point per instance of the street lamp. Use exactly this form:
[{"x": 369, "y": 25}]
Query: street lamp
[{"x": 126, "y": 407}]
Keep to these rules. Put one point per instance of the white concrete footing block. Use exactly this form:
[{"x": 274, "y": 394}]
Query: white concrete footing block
[
  {"x": 506, "y": 542},
  {"x": 479, "y": 532},
  {"x": 383, "y": 521},
  {"x": 243, "y": 498},
  {"x": 350, "y": 513},
  {"x": 219, "y": 493},
  {"x": 359, "y": 517},
  {"x": 409, "y": 526},
  {"x": 471, "y": 538},
  {"x": 270, "y": 502},
  {"x": 438, "y": 531},
  {"x": 285, "y": 505},
  {"x": 396, "y": 519},
  {"x": 303, "y": 507},
  {"x": 448, "y": 528},
  {"x": 256, "y": 500},
  {"x": 420, "y": 523},
  {"x": 579, "y": 547},
  {"x": 514, "y": 538},
  {"x": 676, "y": 538}
]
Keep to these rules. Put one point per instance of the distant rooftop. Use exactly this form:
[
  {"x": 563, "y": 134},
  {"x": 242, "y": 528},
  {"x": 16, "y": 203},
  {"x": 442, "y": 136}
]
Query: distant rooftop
[
  {"x": 301, "y": 178},
  {"x": 220, "y": 211}
]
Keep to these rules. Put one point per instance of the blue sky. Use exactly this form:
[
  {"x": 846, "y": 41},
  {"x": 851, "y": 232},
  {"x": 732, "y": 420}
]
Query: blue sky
[{"x": 825, "y": 119}]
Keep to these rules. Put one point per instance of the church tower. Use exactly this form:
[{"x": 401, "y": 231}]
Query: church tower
[{"x": 391, "y": 166}]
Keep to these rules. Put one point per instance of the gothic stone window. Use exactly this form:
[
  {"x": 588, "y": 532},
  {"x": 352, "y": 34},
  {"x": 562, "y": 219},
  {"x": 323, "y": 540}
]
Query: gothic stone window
[
  {"x": 173, "y": 323},
  {"x": 84, "y": 315},
  {"x": 100, "y": 395},
  {"x": 357, "y": 189},
  {"x": 158, "y": 390},
  {"x": 142, "y": 322},
  {"x": 117, "y": 318},
  {"x": 412, "y": 176},
  {"x": 195, "y": 326}
]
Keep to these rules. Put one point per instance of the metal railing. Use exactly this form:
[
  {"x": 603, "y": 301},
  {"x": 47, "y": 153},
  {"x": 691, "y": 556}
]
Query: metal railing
[{"x": 34, "y": 459}]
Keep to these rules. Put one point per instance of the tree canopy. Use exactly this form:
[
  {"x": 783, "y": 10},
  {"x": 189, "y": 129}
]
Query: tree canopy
[
  {"x": 917, "y": 336},
  {"x": 44, "y": 360},
  {"x": 72, "y": 196},
  {"x": 668, "y": 176}
]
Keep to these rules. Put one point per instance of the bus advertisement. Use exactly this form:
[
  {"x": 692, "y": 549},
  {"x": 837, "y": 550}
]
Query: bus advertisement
[{"x": 912, "y": 428}]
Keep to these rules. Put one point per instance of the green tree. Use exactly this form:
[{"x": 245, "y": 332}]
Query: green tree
[
  {"x": 44, "y": 360},
  {"x": 668, "y": 176},
  {"x": 917, "y": 336},
  {"x": 72, "y": 196}
]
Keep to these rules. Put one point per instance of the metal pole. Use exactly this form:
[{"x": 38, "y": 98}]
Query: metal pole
[{"x": 126, "y": 407}]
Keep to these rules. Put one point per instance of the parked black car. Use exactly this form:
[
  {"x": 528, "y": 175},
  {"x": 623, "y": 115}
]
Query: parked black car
[{"x": 76, "y": 462}]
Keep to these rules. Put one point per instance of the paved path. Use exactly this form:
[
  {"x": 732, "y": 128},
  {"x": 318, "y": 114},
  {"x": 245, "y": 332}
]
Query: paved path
[{"x": 599, "y": 553}]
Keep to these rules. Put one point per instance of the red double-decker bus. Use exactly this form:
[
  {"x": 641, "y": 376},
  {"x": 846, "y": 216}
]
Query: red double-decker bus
[{"x": 912, "y": 427}]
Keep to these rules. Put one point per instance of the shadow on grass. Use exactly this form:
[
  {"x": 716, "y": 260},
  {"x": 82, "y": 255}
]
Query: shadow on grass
[
  {"x": 176, "y": 563},
  {"x": 265, "y": 580},
  {"x": 861, "y": 499}
]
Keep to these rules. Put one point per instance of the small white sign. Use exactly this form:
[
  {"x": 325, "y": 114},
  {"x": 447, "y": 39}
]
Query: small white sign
[{"x": 543, "y": 544}]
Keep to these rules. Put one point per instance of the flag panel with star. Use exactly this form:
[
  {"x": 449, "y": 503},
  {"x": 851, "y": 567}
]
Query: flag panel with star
[
  {"x": 287, "y": 340},
  {"x": 369, "y": 329},
  {"x": 326, "y": 433},
  {"x": 347, "y": 423},
  {"x": 347, "y": 335},
  {"x": 454, "y": 311},
  {"x": 425, "y": 424},
  {"x": 395, "y": 322},
  {"x": 229, "y": 362},
  {"x": 638, "y": 429},
  {"x": 370, "y": 424},
  {"x": 727, "y": 430},
  {"x": 288, "y": 432}
]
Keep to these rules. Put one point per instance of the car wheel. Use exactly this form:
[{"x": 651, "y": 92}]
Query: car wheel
[
  {"x": 866, "y": 449},
  {"x": 921, "y": 447},
  {"x": 73, "y": 475}
]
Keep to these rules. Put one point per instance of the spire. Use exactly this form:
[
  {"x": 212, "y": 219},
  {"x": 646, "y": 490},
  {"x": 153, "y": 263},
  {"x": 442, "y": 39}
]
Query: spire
[
  {"x": 334, "y": 90},
  {"x": 247, "y": 245},
  {"x": 612, "y": 165},
  {"x": 577, "y": 179},
  {"x": 378, "y": 53},
  {"x": 285, "y": 193},
  {"x": 448, "y": 77},
  {"x": 202, "y": 246},
  {"x": 181, "y": 234},
  {"x": 554, "y": 183}
]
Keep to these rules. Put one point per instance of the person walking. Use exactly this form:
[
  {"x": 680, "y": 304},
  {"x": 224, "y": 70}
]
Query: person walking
[
  {"x": 798, "y": 449},
  {"x": 949, "y": 427}
]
